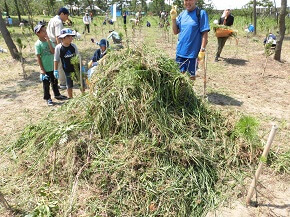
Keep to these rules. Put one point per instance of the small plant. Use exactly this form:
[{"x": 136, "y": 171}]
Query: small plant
[
  {"x": 21, "y": 46},
  {"x": 247, "y": 128},
  {"x": 268, "y": 52}
]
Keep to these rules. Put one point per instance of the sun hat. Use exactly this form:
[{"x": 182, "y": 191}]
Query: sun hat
[
  {"x": 66, "y": 31},
  {"x": 38, "y": 27}
]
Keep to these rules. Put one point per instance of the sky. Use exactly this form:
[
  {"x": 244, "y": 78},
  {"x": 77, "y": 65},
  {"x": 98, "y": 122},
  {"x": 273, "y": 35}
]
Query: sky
[
  {"x": 233, "y": 4},
  {"x": 230, "y": 4}
]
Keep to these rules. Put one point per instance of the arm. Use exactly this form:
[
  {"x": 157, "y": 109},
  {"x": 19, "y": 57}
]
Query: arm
[
  {"x": 175, "y": 27},
  {"x": 51, "y": 48},
  {"x": 58, "y": 28},
  {"x": 40, "y": 64},
  {"x": 204, "y": 39},
  {"x": 110, "y": 35},
  {"x": 55, "y": 65},
  {"x": 56, "y": 57}
]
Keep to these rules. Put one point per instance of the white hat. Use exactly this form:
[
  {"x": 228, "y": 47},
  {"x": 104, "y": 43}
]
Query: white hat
[{"x": 66, "y": 31}]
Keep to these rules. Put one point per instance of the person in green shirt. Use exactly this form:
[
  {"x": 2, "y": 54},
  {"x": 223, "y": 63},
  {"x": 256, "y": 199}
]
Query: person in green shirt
[{"x": 44, "y": 50}]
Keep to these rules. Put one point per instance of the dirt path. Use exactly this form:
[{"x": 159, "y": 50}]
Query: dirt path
[{"x": 234, "y": 84}]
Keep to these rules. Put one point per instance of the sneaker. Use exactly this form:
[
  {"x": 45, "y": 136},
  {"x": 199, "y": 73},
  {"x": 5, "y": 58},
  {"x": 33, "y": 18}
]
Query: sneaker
[
  {"x": 63, "y": 87},
  {"x": 49, "y": 102},
  {"x": 216, "y": 59},
  {"x": 60, "y": 97}
]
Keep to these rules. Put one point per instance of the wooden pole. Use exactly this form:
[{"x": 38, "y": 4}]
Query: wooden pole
[
  {"x": 81, "y": 75},
  {"x": 204, "y": 78},
  {"x": 259, "y": 170}
]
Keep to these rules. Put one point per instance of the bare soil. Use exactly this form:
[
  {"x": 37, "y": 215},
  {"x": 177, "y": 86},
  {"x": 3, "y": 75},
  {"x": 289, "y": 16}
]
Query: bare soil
[{"x": 234, "y": 84}]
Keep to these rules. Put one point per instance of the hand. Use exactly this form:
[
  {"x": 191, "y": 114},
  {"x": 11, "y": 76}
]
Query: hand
[
  {"x": 55, "y": 73},
  {"x": 173, "y": 12},
  {"x": 201, "y": 55},
  {"x": 43, "y": 77}
]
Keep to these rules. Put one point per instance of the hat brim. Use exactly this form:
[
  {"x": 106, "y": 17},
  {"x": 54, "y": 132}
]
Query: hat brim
[
  {"x": 39, "y": 28},
  {"x": 64, "y": 35}
]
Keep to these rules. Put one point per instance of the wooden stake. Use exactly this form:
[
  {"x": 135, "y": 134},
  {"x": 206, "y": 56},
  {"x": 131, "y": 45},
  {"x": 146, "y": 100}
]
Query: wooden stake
[
  {"x": 259, "y": 170},
  {"x": 204, "y": 78},
  {"x": 81, "y": 75}
]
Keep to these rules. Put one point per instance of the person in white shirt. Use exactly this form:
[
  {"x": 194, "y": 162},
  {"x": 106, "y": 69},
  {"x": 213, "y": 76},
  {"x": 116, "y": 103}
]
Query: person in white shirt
[
  {"x": 115, "y": 37},
  {"x": 87, "y": 21},
  {"x": 55, "y": 25}
]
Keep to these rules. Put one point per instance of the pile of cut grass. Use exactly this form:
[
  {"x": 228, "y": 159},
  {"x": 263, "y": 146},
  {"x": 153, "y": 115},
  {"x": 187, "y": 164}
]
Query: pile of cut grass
[{"x": 141, "y": 143}]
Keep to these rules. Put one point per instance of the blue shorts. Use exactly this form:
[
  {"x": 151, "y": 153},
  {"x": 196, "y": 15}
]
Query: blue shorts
[
  {"x": 187, "y": 65},
  {"x": 69, "y": 81}
]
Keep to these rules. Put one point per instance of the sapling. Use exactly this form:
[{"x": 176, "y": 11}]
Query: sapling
[
  {"x": 21, "y": 46},
  {"x": 268, "y": 52}
]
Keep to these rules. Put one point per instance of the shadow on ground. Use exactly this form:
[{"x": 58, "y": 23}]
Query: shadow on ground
[
  {"x": 233, "y": 61},
  {"x": 220, "y": 99},
  {"x": 12, "y": 90}
]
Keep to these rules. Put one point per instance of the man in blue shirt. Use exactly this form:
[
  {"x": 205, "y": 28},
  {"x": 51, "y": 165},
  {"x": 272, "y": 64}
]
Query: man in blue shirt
[{"x": 192, "y": 25}]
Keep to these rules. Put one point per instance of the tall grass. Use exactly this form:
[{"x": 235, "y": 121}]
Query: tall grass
[{"x": 142, "y": 142}]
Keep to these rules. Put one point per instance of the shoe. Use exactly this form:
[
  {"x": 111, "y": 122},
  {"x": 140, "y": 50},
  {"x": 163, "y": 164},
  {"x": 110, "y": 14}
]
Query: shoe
[
  {"x": 60, "y": 97},
  {"x": 49, "y": 102},
  {"x": 216, "y": 59},
  {"x": 63, "y": 87},
  {"x": 192, "y": 77}
]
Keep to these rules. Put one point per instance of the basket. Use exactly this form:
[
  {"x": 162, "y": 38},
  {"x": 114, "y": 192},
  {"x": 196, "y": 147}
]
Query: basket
[{"x": 222, "y": 33}]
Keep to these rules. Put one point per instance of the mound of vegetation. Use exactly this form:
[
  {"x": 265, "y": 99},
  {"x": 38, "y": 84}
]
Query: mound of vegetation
[{"x": 141, "y": 143}]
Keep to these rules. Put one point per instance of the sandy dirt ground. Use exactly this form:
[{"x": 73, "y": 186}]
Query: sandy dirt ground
[{"x": 237, "y": 83}]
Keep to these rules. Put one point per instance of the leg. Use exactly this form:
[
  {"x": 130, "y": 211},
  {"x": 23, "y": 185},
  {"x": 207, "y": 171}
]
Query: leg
[
  {"x": 70, "y": 93},
  {"x": 69, "y": 84},
  {"x": 221, "y": 44},
  {"x": 88, "y": 28},
  {"x": 62, "y": 81},
  {"x": 46, "y": 84},
  {"x": 192, "y": 67},
  {"x": 54, "y": 83}
]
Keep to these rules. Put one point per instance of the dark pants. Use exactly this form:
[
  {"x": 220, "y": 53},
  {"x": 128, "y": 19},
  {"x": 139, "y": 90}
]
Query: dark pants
[
  {"x": 116, "y": 41},
  {"x": 221, "y": 44},
  {"x": 87, "y": 26},
  {"x": 46, "y": 83}
]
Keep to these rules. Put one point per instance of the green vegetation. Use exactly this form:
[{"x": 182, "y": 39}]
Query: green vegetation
[{"x": 142, "y": 143}]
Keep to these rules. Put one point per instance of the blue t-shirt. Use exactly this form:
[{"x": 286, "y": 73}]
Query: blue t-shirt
[{"x": 189, "y": 39}]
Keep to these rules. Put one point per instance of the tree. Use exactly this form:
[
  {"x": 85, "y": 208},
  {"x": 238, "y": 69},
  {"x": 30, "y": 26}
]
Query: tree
[
  {"x": 17, "y": 10},
  {"x": 282, "y": 29},
  {"x": 255, "y": 17},
  {"x": 8, "y": 40}
]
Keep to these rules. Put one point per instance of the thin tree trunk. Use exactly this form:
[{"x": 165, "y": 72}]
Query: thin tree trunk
[
  {"x": 8, "y": 40},
  {"x": 17, "y": 9},
  {"x": 255, "y": 17},
  {"x": 6, "y": 8},
  {"x": 276, "y": 12},
  {"x": 282, "y": 29}
]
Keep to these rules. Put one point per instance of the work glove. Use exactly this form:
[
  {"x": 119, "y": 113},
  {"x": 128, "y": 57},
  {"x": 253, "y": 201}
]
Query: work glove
[
  {"x": 43, "y": 77},
  {"x": 55, "y": 73},
  {"x": 173, "y": 12},
  {"x": 201, "y": 55}
]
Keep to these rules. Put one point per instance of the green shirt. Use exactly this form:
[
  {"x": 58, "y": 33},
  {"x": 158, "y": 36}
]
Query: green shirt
[{"x": 42, "y": 48}]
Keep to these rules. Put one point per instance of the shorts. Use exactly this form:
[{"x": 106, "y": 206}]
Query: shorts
[
  {"x": 69, "y": 81},
  {"x": 187, "y": 65}
]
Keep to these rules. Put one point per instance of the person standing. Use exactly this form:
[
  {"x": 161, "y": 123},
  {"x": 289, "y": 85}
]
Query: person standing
[
  {"x": 44, "y": 50},
  {"x": 227, "y": 20},
  {"x": 125, "y": 18},
  {"x": 192, "y": 25},
  {"x": 87, "y": 21},
  {"x": 64, "y": 52},
  {"x": 55, "y": 25}
]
